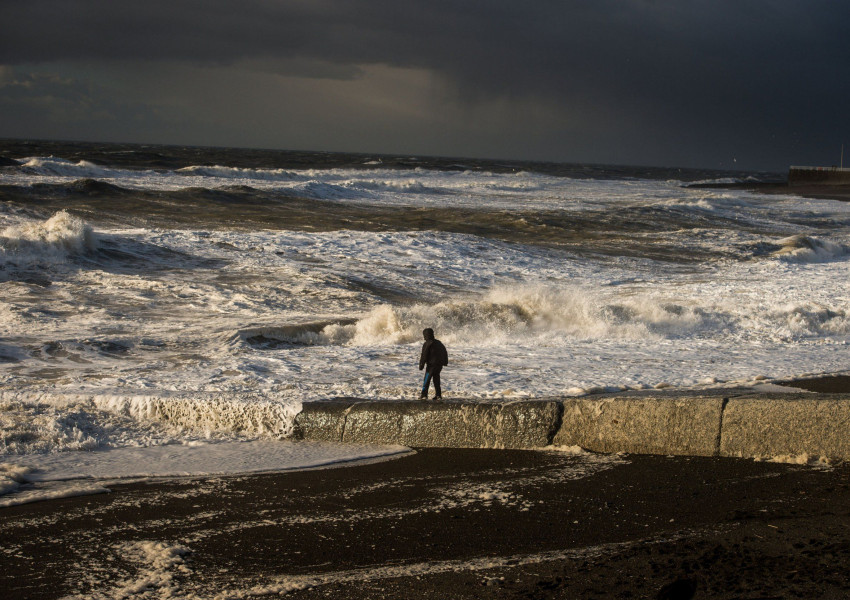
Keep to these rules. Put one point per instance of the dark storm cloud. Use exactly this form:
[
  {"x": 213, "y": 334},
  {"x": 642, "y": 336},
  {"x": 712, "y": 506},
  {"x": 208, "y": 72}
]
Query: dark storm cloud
[
  {"x": 507, "y": 45},
  {"x": 51, "y": 103},
  {"x": 732, "y": 73}
]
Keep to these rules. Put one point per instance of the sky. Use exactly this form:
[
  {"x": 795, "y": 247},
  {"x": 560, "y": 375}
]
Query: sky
[{"x": 733, "y": 84}]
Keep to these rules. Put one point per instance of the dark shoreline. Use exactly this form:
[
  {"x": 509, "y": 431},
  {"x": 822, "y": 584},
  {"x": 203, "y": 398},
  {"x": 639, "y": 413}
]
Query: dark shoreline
[{"x": 814, "y": 191}]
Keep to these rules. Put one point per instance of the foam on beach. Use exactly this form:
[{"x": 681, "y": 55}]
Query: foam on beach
[
  {"x": 36, "y": 477},
  {"x": 804, "y": 459}
]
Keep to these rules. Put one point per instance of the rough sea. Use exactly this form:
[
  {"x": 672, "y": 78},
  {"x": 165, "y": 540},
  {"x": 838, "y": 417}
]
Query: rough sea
[{"x": 237, "y": 284}]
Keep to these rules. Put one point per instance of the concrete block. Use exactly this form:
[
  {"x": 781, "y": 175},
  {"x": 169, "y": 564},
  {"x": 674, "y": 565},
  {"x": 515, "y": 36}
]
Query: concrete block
[
  {"x": 322, "y": 421},
  {"x": 767, "y": 426},
  {"x": 453, "y": 424},
  {"x": 643, "y": 425}
]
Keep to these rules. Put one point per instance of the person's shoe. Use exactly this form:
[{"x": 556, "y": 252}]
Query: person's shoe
[
  {"x": 438, "y": 398},
  {"x": 423, "y": 398}
]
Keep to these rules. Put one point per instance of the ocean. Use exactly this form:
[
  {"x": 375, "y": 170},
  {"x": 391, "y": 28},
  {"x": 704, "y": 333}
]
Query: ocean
[{"x": 242, "y": 283}]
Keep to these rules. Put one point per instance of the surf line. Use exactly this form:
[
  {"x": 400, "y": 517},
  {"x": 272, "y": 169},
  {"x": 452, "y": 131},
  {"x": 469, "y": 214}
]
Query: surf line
[{"x": 287, "y": 584}]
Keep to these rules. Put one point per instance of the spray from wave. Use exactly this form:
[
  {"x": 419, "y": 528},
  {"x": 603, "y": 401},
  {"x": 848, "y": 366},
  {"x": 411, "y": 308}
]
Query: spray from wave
[
  {"x": 557, "y": 318},
  {"x": 500, "y": 316}
]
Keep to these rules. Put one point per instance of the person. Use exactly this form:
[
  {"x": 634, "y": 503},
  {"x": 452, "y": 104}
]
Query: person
[{"x": 434, "y": 357}]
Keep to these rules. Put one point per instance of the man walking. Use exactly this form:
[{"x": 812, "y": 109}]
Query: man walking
[{"x": 434, "y": 357}]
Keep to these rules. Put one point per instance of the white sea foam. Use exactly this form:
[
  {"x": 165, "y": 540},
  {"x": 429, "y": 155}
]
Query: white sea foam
[
  {"x": 158, "y": 562},
  {"x": 287, "y": 584},
  {"x": 596, "y": 314},
  {"x": 717, "y": 181},
  {"x": 34, "y": 428},
  {"x": 414, "y": 186},
  {"x": 799, "y": 459}
]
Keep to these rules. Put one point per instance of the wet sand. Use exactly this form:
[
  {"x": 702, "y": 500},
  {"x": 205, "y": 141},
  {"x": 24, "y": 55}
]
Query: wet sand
[
  {"x": 448, "y": 523},
  {"x": 828, "y": 384}
]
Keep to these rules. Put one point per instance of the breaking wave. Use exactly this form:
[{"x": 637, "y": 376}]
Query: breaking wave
[
  {"x": 409, "y": 186},
  {"x": 804, "y": 248},
  {"x": 810, "y": 320},
  {"x": 329, "y": 191},
  {"x": 39, "y": 423},
  {"x": 498, "y": 317},
  {"x": 552, "y": 317},
  {"x": 40, "y": 428},
  {"x": 51, "y": 241},
  {"x": 59, "y": 166},
  {"x": 240, "y": 173},
  {"x": 307, "y": 334}
]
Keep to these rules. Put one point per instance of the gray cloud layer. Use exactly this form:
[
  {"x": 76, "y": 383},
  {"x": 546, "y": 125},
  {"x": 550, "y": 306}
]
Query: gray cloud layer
[{"x": 694, "y": 82}]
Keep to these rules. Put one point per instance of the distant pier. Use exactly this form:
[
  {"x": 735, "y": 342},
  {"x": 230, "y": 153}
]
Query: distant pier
[{"x": 818, "y": 176}]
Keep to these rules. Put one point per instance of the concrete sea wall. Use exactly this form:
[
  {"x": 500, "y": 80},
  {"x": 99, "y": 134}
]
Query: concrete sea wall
[{"x": 729, "y": 423}]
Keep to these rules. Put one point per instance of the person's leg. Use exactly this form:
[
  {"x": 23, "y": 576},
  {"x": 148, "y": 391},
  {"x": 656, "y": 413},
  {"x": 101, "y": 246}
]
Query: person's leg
[
  {"x": 435, "y": 373},
  {"x": 424, "y": 394}
]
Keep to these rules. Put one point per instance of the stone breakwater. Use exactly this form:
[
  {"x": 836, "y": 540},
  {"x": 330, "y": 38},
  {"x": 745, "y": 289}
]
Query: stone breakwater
[{"x": 730, "y": 423}]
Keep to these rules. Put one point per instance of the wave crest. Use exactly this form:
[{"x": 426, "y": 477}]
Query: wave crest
[
  {"x": 409, "y": 186},
  {"x": 51, "y": 165},
  {"x": 239, "y": 173}
]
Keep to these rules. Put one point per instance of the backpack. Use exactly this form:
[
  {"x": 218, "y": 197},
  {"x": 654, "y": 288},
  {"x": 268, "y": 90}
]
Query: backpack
[{"x": 440, "y": 353}]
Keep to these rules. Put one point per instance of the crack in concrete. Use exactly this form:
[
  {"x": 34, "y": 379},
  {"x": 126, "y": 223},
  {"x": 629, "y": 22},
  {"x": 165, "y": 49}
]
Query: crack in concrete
[
  {"x": 344, "y": 422},
  {"x": 720, "y": 427},
  {"x": 556, "y": 426}
]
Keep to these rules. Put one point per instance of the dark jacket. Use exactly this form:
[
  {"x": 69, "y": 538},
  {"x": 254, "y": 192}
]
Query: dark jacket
[{"x": 434, "y": 354}]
